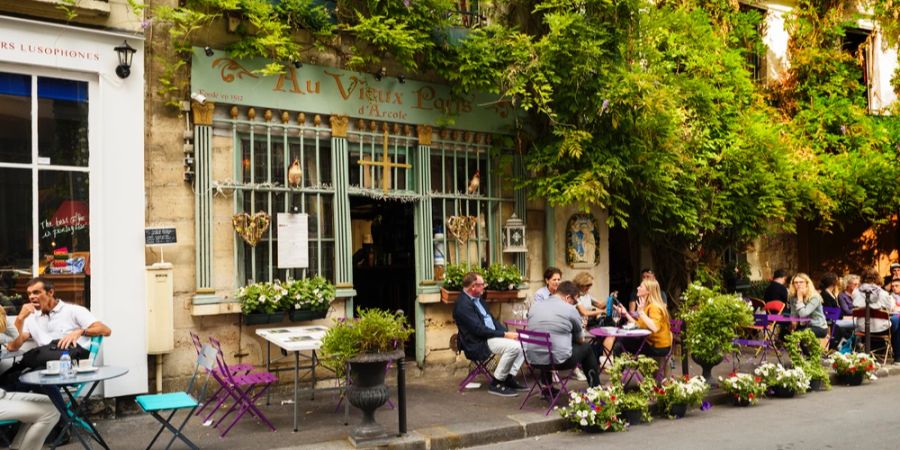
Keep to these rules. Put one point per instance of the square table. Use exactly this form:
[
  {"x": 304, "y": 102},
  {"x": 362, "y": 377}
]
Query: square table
[
  {"x": 295, "y": 340},
  {"x": 38, "y": 378}
]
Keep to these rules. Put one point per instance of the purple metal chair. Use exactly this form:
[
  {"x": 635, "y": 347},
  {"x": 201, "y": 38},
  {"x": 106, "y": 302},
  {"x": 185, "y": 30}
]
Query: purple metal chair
[
  {"x": 760, "y": 324},
  {"x": 675, "y": 326},
  {"x": 832, "y": 315},
  {"x": 545, "y": 375},
  {"x": 477, "y": 367},
  {"x": 236, "y": 369},
  {"x": 244, "y": 390}
]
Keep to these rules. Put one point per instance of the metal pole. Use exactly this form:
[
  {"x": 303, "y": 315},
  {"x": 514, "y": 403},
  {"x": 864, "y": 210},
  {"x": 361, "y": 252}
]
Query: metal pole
[
  {"x": 868, "y": 312},
  {"x": 685, "y": 366},
  {"x": 401, "y": 395}
]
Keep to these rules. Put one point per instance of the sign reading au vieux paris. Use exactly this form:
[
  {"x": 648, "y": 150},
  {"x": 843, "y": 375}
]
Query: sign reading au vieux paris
[{"x": 327, "y": 90}]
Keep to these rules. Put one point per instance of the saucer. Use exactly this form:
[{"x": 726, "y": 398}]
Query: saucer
[
  {"x": 49, "y": 372},
  {"x": 86, "y": 369}
]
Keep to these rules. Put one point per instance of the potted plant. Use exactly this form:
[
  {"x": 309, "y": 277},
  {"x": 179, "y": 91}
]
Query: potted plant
[
  {"x": 365, "y": 345},
  {"x": 262, "y": 302},
  {"x": 675, "y": 396},
  {"x": 453, "y": 278},
  {"x": 782, "y": 382},
  {"x": 595, "y": 410},
  {"x": 501, "y": 282},
  {"x": 309, "y": 299},
  {"x": 805, "y": 351},
  {"x": 635, "y": 397},
  {"x": 853, "y": 368},
  {"x": 711, "y": 324},
  {"x": 744, "y": 388}
]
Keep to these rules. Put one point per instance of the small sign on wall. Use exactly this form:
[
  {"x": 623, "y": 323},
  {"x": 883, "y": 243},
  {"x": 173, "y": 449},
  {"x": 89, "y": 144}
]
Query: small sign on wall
[
  {"x": 159, "y": 236},
  {"x": 293, "y": 241}
]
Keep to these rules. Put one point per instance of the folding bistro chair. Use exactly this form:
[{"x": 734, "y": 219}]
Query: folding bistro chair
[
  {"x": 243, "y": 389},
  {"x": 675, "y": 326},
  {"x": 762, "y": 342},
  {"x": 96, "y": 341},
  {"x": 476, "y": 367},
  {"x": 860, "y": 313},
  {"x": 157, "y": 404},
  {"x": 236, "y": 369},
  {"x": 5, "y": 423},
  {"x": 757, "y": 304},
  {"x": 832, "y": 315},
  {"x": 544, "y": 385}
]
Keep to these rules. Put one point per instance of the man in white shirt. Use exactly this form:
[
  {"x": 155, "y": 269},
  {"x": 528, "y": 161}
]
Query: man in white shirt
[{"x": 47, "y": 319}]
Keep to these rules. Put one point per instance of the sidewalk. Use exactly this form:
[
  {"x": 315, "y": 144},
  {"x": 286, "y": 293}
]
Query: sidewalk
[{"x": 439, "y": 417}]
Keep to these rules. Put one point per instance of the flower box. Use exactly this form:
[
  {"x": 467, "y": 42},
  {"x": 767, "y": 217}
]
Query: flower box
[
  {"x": 255, "y": 318},
  {"x": 300, "y": 315},
  {"x": 449, "y": 297},
  {"x": 501, "y": 296}
]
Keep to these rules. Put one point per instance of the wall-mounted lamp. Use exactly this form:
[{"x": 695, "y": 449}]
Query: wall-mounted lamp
[
  {"x": 401, "y": 79},
  {"x": 199, "y": 98},
  {"x": 298, "y": 64},
  {"x": 380, "y": 74},
  {"x": 514, "y": 235},
  {"x": 125, "y": 52},
  {"x": 208, "y": 50}
]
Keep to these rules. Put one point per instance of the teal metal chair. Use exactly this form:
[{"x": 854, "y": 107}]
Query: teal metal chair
[
  {"x": 158, "y": 404},
  {"x": 96, "y": 341},
  {"x": 5, "y": 423}
]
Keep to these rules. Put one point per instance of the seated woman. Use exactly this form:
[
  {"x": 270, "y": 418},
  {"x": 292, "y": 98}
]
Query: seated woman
[
  {"x": 804, "y": 301},
  {"x": 588, "y": 307},
  {"x": 652, "y": 315},
  {"x": 552, "y": 278}
]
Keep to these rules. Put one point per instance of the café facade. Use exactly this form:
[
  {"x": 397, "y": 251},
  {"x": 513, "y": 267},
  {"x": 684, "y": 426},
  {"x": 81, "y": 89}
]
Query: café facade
[{"x": 394, "y": 179}]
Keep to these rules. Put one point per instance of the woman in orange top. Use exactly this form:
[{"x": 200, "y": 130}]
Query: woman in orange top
[{"x": 652, "y": 315}]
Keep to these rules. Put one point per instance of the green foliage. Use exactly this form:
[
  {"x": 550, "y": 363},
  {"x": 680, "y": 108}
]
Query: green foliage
[
  {"x": 453, "y": 275},
  {"x": 711, "y": 325},
  {"x": 743, "y": 386},
  {"x": 639, "y": 399},
  {"x": 310, "y": 294},
  {"x": 502, "y": 277},
  {"x": 806, "y": 352},
  {"x": 373, "y": 331},
  {"x": 264, "y": 297},
  {"x": 595, "y": 407}
]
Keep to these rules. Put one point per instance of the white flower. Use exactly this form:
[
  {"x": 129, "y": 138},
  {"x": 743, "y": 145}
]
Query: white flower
[{"x": 583, "y": 422}]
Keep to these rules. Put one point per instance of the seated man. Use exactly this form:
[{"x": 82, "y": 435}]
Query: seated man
[
  {"x": 558, "y": 317},
  {"x": 878, "y": 299},
  {"x": 55, "y": 326},
  {"x": 480, "y": 335}
]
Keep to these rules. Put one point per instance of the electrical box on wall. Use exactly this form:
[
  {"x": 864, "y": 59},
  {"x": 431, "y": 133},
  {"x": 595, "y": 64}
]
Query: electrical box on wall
[{"x": 160, "y": 309}]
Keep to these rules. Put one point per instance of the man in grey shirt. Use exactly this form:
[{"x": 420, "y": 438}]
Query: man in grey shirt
[{"x": 558, "y": 317}]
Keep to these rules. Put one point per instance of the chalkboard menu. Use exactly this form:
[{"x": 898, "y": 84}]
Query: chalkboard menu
[{"x": 159, "y": 236}]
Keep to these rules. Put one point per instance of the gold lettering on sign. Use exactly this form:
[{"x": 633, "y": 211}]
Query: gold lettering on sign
[
  {"x": 386, "y": 165},
  {"x": 359, "y": 88},
  {"x": 296, "y": 86},
  {"x": 232, "y": 67}
]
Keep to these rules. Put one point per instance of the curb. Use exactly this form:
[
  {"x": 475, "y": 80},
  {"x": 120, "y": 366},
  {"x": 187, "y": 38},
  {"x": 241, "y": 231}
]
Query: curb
[{"x": 512, "y": 427}]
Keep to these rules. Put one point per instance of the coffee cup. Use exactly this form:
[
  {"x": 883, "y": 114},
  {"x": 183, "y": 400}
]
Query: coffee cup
[{"x": 53, "y": 366}]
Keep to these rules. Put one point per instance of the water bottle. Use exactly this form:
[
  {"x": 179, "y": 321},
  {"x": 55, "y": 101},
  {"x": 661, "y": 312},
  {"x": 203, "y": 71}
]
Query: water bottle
[{"x": 66, "y": 370}]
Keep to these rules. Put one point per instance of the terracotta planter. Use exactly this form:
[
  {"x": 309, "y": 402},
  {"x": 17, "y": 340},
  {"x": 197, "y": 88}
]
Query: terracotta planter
[
  {"x": 299, "y": 315},
  {"x": 501, "y": 296},
  {"x": 449, "y": 297}
]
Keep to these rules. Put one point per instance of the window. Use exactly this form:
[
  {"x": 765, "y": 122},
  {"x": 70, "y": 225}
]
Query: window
[
  {"x": 266, "y": 153},
  {"x": 44, "y": 186},
  {"x": 751, "y": 42},
  {"x": 856, "y": 43},
  {"x": 455, "y": 163}
]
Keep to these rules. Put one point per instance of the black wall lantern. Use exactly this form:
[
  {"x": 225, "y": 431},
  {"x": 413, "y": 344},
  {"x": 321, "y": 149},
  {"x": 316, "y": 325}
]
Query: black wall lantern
[{"x": 125, "y": 52}]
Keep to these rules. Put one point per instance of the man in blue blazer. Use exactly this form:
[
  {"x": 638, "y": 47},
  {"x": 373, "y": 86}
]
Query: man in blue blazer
[{"x": 480, "y": 335}]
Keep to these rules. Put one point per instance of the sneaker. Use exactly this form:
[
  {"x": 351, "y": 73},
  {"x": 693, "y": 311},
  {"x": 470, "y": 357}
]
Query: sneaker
[
  {"x": 501, "y": 390},
  {"x": 579, "y": 374},
  {"x": 512, "y": 383}
]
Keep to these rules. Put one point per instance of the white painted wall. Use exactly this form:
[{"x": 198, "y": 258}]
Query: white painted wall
[{"x": 116, "y": 134}]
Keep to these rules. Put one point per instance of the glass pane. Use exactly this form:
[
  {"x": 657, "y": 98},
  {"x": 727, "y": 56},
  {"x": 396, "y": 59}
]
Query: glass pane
[
  {"x": 15, "y": 115},
  {"x": 15, "y": 236},
  {"x": 327, "y": 219},
  {"x": 63, "y": 121},
  {"x": 64, "y": 233}
]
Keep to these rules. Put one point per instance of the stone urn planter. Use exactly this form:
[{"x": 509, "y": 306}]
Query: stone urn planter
[{"x": 368, "y": 392}]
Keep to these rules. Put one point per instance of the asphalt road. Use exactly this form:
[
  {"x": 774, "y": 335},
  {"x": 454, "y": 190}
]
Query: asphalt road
[{"x": 864, "y": 417}]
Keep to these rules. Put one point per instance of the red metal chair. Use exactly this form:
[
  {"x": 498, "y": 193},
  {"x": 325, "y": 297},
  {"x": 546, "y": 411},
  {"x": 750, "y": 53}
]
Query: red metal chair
[
  {"x": 775, "y": 307},
  {"x": 545, "y": 375}
]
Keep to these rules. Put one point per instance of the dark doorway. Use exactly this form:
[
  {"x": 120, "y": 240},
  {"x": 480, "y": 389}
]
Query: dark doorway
[
  {"x": 621, "y": 268},
  {"x": 384, "y": 273}
]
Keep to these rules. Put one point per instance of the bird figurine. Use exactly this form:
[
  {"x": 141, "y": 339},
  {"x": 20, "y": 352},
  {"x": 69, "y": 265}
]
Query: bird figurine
[
  {"x": 474, "y": 182},
  {"x": 295, "y": 174}
]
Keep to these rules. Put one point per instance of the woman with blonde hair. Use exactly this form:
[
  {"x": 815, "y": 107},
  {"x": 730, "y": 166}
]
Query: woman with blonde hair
[
  {"x": 588, "y": 307},
  {"x": 8, "y": 331},
  {"x": 653, "y": 315},
  {"x": 804, "y": 301}
]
